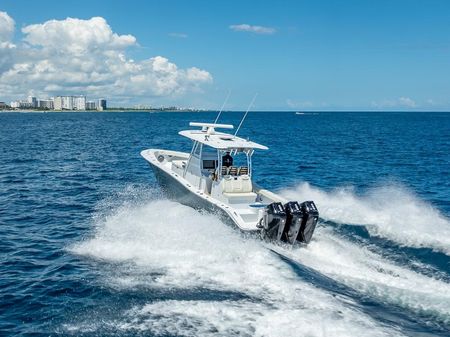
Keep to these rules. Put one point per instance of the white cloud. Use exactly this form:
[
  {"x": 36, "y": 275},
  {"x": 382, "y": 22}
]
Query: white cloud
[
  {"x": 6, "y": 46},
  {"x": 401, "y": 102},
  {"x": 432, "y": 102},
  {"x": 407, "y": 102},
  {"x": 6, "y": 27},
  {"x": 299, "y": 104},
  {"x": 76, "y": 35},
  {"x": 179, "y": 35},
  {"x": 253, "y": 29},
  {"x": 74, "y": 56}
]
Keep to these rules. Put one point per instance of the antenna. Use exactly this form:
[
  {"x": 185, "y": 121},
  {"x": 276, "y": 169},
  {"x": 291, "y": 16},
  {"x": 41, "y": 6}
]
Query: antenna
[
  {"x": 245, "y": 115},
  {"x": 225, "y": 102}
]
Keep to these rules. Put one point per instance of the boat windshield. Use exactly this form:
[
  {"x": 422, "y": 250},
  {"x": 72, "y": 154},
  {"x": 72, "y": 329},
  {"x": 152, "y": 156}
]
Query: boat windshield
[{"x": 235, "y": 162}]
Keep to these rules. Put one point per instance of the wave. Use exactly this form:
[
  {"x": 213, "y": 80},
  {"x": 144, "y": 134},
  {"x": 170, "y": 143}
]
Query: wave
[
  {"x": 391, "y": 212},
  {"x": 175, "y": 247},
  {"x": 373, "y": 276}
]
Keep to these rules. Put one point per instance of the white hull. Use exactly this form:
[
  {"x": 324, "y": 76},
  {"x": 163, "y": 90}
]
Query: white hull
[
  {"x": 209, "y": 178},
  {"x": 243, "y": 212}
]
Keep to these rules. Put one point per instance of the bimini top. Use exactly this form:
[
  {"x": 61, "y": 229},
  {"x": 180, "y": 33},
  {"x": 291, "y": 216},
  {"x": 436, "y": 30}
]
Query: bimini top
[{"x": 219, "y": 140}]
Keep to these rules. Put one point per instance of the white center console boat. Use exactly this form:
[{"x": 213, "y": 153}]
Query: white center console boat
[{"x": 217, "y": 176}]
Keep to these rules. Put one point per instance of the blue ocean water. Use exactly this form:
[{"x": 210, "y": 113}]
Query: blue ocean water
[{"x": 90, "y": 247}]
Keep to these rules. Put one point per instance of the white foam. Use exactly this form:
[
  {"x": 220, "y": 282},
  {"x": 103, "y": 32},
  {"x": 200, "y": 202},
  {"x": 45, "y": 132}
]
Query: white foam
[
  {"x": 372, "y": 275},
  {"x": 247, "y": 318},
  {"x": 390, "y": 212},
  {"x": 184, "y": 249}
]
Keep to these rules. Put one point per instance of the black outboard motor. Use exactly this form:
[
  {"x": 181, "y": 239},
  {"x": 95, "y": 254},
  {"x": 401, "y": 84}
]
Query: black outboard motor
[
  {"x": 309, "y": 221},
  {"x": 275, "y": 220},
  {"x": 294, "y": 218}
]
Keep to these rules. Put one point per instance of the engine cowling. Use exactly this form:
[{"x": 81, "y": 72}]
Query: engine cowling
[
  {"x": 294, "y": 219},
  {"x": 274, "y": 221},
  {"x": 291, "y": 222},
  {"x": 309, "y": 221}
]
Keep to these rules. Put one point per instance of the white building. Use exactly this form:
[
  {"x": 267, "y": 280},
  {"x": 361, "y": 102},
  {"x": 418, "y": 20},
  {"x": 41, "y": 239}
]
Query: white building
[
  {"x": 33, "y": 101},
  {"x": 101, "y": 104},
  {"x": 21, "y": 105},
  {"x": 70, "y": 103},
  {"x": 45, "y": 104},
  {"x": 79, "y": 102},
  {"x": 57, "y": 103},
  {"x": 67, "y": 102}
]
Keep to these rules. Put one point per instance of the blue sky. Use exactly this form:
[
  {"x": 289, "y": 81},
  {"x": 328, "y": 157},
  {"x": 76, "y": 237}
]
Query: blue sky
[{"x": 308, "y": 55}]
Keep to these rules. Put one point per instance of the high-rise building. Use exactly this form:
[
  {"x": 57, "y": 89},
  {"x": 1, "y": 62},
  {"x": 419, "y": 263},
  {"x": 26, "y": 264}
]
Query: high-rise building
[
  {"x": 67, "y": 102},
  {"x": 90, "y": 105},
  {"x": 45, "y": 104},
  {"x": 33, "y": 101},
  {"x": 79, "y": 102},
  {"x": 57, "y": 103},
  {"x": 101, "y": 104}
]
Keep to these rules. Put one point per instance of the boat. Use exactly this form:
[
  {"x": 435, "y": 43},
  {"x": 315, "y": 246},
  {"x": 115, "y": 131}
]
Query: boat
[{"x": 217, "y": 176}]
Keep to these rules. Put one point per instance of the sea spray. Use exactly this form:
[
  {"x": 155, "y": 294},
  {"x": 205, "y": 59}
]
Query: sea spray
[
  {"x": 184, "y": 249},
  {"x": 389, "y": 211},
  {"x": 374, "y": 276}
]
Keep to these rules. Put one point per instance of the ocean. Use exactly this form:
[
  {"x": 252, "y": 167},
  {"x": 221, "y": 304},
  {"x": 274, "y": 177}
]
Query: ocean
[{"x": 89, "y": 246}]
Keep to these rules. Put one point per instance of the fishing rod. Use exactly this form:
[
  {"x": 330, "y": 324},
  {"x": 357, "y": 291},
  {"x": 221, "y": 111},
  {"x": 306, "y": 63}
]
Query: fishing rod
[
  {"x": 225, "y": 102},
  {"x": 245, "y": 115}
]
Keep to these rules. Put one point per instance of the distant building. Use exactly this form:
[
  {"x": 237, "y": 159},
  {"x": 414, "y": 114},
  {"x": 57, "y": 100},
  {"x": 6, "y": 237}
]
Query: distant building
[
  {"x": 3, "y": 105},
  {"x": 33, "y": 101},
  {"x": 79, "y": 102},
  {"x": 101, "y": 104},
  {"x": 67, "y": 102},
  {"x": 21, "y": 105},
  {"x": 90, "y": 105},
  {"x": 70, "y": 103},
  {"x": 57, "y": 103},
  {"x": 45, "y": 104}
]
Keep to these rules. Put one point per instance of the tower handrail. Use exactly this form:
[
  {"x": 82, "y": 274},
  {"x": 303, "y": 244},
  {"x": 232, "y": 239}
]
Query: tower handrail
[{"x": 212, "y": 125}]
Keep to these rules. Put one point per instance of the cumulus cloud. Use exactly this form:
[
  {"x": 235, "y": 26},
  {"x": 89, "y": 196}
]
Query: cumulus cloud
[
  {"x": 74, "y": 56},
  {"x": 6, "y": 27},
  {"x": 253, "y": 29},
  {"x": 6, "y": 46},
  {"x": 401, "y": 102},
  {"x": 76, "y": 35}
]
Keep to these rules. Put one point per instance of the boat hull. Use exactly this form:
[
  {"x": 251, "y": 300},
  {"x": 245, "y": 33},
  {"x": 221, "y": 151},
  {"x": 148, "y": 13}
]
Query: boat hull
[{"x": 173, "y": 190}]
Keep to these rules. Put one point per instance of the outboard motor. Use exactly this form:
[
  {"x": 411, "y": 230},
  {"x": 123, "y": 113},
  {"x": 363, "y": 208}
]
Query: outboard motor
[
  {"x": 294, "y": 218},
  {"x": 274, "y": 221},
  {"x": 309, "y": 221}
]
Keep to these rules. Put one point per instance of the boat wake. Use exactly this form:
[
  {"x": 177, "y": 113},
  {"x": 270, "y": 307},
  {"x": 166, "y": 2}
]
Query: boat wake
[
  {"x": 198, "y": 276},
  {"x": 390, "y": 212}
]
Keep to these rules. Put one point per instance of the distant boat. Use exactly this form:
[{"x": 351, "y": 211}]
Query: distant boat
[
  {"x": 207, "y": 178},
  {"x": 299, "y": 113}
]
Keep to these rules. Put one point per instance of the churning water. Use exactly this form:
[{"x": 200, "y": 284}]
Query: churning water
[{"x": 90, "y": 247}]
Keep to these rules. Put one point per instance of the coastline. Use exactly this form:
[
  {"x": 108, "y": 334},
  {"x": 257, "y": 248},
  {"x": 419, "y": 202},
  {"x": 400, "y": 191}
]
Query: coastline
[{"x": 97, "y": 111}]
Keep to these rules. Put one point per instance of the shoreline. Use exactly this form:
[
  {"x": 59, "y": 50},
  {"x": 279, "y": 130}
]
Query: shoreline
[
  {"x": 97, "y": 111},
  {"x": 200, "y": 111}
]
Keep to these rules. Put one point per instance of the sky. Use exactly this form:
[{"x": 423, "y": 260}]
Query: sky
[{"x": 296, "y": 55}]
